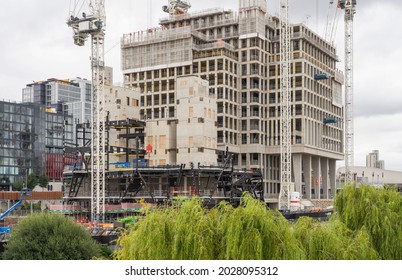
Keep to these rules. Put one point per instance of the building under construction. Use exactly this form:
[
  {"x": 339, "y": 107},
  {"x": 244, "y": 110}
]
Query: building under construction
[
  {"x": 182, "y": 162},
  {"x": 206, "y": 92},
  {"x": 238, "y": 54}
]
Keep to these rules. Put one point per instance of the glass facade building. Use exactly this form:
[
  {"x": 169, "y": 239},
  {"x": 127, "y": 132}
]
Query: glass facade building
[
  {"x": 28, "y": 133},
  {"x": 74, "y": 95}
]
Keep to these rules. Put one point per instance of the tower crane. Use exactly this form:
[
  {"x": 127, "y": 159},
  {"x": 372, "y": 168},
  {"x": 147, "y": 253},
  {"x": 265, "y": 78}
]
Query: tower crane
[
  {"x": 332, "y": 22},
  {"x": 176, "y": 7},
  {"x": 90, "y": 21},
  {"x": 285, "y": 122},
  {"x": 350, "y": 10}
]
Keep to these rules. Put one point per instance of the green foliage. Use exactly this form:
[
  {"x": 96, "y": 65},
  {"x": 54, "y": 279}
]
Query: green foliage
[
  {"x": 367, "y": 226},
  {"x": 43, "y": 180},
  {"x": 379, "y": 212},
  {"x": 333, "y": 240},
  {"x": 188, "y": 231},
  {"x": 32, "y": 181},
  {"x": 18, "y": 185},
  {"x": 252, "y": 231},
  {"x": 105, "y": 253},
  {"x": 36, "y": 206},
  {"x": 47, "y": 236}
]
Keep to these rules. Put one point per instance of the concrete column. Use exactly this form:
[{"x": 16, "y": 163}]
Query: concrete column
[
  {"x": 297, "y": 171},
  {"x": 324, "y": 175},
  {"x": 316, "y": 175},
  {"x": 307, "y": 175},
  {"x": 332, "y": 176}
]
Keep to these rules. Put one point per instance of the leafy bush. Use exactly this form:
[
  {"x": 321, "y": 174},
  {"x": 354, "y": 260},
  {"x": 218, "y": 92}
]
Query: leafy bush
[{"x": 47, "y": 236}]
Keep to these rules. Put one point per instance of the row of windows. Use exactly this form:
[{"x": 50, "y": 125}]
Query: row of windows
[
  {"x": 10, "y": 170},
  {"x": 15, "y": 108}
]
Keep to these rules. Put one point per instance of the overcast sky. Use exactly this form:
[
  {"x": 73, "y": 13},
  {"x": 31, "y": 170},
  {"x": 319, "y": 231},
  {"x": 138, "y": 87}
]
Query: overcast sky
[{"x": 36, "y": 44}]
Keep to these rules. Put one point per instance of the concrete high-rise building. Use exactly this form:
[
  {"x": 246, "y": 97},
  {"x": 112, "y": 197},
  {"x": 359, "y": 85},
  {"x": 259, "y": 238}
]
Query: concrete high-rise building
[
  {"x": 373, "y": 160},
  {"x": 238, "y": 54}
]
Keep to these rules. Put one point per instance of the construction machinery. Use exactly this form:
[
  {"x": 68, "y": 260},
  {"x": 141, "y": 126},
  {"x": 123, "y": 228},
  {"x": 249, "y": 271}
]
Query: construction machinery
[
  {"x": 176, "y": 7},
  {"x": 332, "y": 21},
  {"x": 350, "y": 9},
  {"x": 285, "y": 108},
  {"x": 4, "y": 230},
  {"x": 89, "y": 21}
]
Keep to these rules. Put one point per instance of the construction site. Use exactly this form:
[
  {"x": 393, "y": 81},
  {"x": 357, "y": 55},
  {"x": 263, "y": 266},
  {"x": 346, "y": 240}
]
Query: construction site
[{"x": 218, "y": 103}]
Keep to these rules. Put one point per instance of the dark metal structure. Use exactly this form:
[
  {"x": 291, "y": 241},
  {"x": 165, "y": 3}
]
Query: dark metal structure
[{"x": 130, "y": 181}]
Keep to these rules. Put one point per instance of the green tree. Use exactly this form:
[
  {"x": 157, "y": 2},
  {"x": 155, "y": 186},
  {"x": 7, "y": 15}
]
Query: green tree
[
  {"x": 366, "y": 225},
  {"x": 18, "y": 185},
  {"x": 187, "y": 231},
  {"x": 333, "y": 240},
  {"x": 48, "y": 236},
  {"x": 32, "y": 181},
  {"x": 43, "y": 180},
  {"x": 377, "y": 211}
]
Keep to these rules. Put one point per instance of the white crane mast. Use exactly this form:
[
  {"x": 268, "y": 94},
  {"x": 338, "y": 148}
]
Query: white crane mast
[
  {"x": 349, "y": 7},
  {"x": 285, "y": 123},
  {"x": 84, "y": 25}
]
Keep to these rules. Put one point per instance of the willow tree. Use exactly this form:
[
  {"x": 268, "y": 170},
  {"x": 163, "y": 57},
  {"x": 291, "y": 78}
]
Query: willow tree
[
  {"x": 175, "y": 232},
  {"x": 188, "y": 231},
  {"x": 379, "y": 211},
  {"x": 362, "y": 229},
  {"x": 252, "y": 231},
  {"x": 333, "y": 240}
]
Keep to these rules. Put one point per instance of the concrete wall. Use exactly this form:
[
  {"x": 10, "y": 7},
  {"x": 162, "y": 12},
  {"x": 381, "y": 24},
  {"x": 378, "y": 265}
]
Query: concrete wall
[
  {"x": 196, "y": 129},
  {"x": 191, "y": 137}
]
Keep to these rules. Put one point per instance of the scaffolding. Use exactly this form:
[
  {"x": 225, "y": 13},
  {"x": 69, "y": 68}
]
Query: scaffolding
[
  {"x": 155, "y": 47},
  {"x": 131, "y": 181}
]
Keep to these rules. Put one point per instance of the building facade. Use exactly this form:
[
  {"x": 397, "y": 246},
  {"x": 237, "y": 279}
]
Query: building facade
[
  {"x": 373, "y": 176},
  {"x": 373, "y": 160},
  {"x": 122, "y": 109},
  {"x": 238, "y": 54},
  {"x": 31, "y": 142},
  {"x": 59, "y": 131},
  {"x": 72, "y": 95},
  {"x": 190, "y": 137}
]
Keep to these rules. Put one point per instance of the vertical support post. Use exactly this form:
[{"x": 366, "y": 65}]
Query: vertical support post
[
  {"x": 297, "y": 167},
  {"x": 127, "y": 133},
  {"x": 349, "y": 130},
  {"x": 307, "y": 175},
  {"x": 97, "y": 132},
  {"x": 285, "y": 125}
]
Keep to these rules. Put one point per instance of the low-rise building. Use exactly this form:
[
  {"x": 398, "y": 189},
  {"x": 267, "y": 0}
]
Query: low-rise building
[{"x": 371, "y": 176}]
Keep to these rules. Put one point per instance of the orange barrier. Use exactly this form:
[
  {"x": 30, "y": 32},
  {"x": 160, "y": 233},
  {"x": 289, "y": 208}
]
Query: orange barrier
[{"x": 35, "y": 196}]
